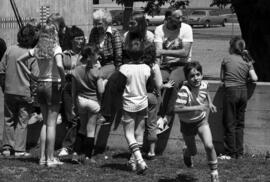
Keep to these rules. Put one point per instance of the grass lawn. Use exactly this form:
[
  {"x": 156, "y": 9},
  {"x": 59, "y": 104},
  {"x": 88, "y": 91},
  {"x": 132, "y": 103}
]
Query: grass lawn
[
  {"x": 210, "y": 45},
  {"x": 166, "y": 168}
]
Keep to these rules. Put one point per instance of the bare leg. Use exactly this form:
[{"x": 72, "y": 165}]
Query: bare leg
[
  {"x": 44, "y": 111},
  {"x": 51, "y": 130}
]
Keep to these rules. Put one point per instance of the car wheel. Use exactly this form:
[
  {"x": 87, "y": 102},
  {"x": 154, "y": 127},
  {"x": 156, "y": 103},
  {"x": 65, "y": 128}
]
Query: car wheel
[
  {"x": 148, "y": 22},
  {"x": 207, "y": 24},
  {"x": 223, "y": 23}
]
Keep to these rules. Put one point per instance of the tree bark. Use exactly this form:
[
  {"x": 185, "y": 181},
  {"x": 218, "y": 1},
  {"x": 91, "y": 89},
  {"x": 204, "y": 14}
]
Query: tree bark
[
  {"x": 127, "y": 13},
  {"x": 253, "y": 17}
]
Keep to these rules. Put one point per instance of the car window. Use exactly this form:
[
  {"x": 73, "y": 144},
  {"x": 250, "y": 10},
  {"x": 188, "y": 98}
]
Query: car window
[
  {"x": 198, "y": 13},
  {"x": 213, "y": 13}
]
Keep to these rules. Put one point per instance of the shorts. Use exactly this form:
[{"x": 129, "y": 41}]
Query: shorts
[
  {"x": 87, "y": 105},
  {"x": 128, "y": 117},
  {"x": 49, "y": 93},
  {"x": 191, "y": 129}
]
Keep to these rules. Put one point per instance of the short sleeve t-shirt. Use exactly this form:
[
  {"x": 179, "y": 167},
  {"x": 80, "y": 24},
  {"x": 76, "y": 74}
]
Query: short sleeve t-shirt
[
  {"x": 168, "y": 37},
  {"x": 236, "y": 71},
  {"x": 189, "y": 97},
  {"x": 86, "y": 81},
  {"x": 48, "y": 68},
  {"x": 135, "y": 94}
]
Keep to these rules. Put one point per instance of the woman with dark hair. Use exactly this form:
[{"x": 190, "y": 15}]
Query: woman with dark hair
[
  {"x": 236, "y": 71},
  {"x": 18, "y": 101},
  {"x": 87, "y": 88},
  {"x": 50, "y": 80}
]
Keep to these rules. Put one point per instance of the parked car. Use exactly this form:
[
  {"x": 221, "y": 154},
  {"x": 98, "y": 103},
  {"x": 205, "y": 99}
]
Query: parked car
[
  {"x": 154, "y": 19},
  {"x": 206, "y": 18},
  {"x": 230, "y": 18},
  {"x": 117, "y": 17}
]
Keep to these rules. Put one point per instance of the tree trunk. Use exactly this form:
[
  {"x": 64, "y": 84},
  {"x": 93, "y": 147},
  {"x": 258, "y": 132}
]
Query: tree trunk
[
  {"x": 127, "y": 13},
  {"x": 253, "y": 17}
]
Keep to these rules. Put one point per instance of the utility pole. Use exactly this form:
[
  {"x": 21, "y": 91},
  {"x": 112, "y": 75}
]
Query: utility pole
[{"x": 90, "y": 15}]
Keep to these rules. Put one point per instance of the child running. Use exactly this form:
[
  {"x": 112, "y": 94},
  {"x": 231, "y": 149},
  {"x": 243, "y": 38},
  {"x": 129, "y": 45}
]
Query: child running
[{"x": 192, "y": 104}]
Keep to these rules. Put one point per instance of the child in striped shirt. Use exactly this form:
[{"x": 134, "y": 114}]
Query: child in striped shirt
[{"x": 193, "y": 102}]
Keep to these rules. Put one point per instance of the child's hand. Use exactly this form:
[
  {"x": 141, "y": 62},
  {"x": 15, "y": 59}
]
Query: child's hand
[
  {"x": 212, "y": 108},
  {"x": 97, "y": 65},
  {"x": 169, "y": 84}
]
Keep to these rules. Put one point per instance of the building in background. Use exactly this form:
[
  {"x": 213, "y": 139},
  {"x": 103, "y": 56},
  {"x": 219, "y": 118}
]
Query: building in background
[
  {"x": 75, "y": 13},
  {"x": 192, "y": 3}
]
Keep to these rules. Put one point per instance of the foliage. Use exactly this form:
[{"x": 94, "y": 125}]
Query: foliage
[
  {"x": 221, "y": 3},
  {"x": 154, "y": 5}
]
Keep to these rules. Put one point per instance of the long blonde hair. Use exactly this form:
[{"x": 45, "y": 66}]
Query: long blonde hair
[{"x": 47, "y": 42}]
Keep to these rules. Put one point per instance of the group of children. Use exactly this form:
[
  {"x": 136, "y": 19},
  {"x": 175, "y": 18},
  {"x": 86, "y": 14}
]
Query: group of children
[{"x": 142, "y": 85}]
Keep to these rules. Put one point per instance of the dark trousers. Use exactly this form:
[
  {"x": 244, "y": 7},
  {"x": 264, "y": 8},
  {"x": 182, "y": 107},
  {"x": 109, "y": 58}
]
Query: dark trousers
[
  {"x": 169, "y": 95},
  {"x": 235, "y": 102},
  {"x": 151, "y": 122},
  {"x": 16, "y": 116},
  {"x": 68, "y": 115}
]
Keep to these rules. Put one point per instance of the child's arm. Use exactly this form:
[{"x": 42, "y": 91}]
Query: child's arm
[
  {"x": 21, "y": 61},
  {"x": 181, "y": 103},
  {"x": 212, "y": 107},
  {"x": 253, "y": 76},
  {"x": 181, "y": 108}
]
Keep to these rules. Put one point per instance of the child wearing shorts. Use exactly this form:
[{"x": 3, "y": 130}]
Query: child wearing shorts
[
  {"x": 50, "y": 81},
  {"x": 193, "y": 102}
]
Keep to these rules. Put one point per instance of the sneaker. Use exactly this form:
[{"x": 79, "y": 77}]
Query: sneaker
[
  {"x": 141, "y": 167},
  {"x": 90, "y": 161},
  {"x": 214, "y": 177},
  {"x": 59, "y": 119},
  {"x": 42, "y": 162},
  {"x": 187, "y": 159},
  {"x": 53, "y": 163},
  {"x": 224, "y": 157},
  {"x": 150, "y": 156},
  {"x": 132, "y": 165},
  {"x": 6, "y": 153},
  {"x": 63, "y": 152},
  {"x": 22, "y": 154},
  {"x": 78, "y": 159}
]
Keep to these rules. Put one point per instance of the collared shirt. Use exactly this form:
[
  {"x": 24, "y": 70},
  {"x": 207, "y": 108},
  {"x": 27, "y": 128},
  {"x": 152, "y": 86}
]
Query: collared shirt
[
  {"x": 110, "y": 47},
  {"x": 71, "y": 60}
]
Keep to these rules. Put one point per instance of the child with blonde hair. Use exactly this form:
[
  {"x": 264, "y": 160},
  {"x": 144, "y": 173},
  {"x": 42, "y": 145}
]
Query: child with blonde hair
[{"x": 50, "y": 80}]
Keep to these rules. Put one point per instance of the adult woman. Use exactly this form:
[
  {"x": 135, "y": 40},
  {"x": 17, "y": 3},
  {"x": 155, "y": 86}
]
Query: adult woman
[
  {"x": 236, "y": 71},
  {"x": 108, "y": 40},
  {"x": 51, "y": 77}
]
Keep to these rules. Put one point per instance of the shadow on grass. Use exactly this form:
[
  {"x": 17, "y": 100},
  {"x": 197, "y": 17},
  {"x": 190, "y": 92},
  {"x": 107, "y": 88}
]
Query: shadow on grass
[
  {"x": 183, "y": 177},
  {"x": 24, "y": 159},
  {"x": 116, "y": 166},
  {"x": 124, "y": 155}
]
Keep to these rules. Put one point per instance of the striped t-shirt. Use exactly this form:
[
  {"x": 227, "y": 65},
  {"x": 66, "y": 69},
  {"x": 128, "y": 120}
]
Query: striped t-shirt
[{"x": 192, "y": 97}]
